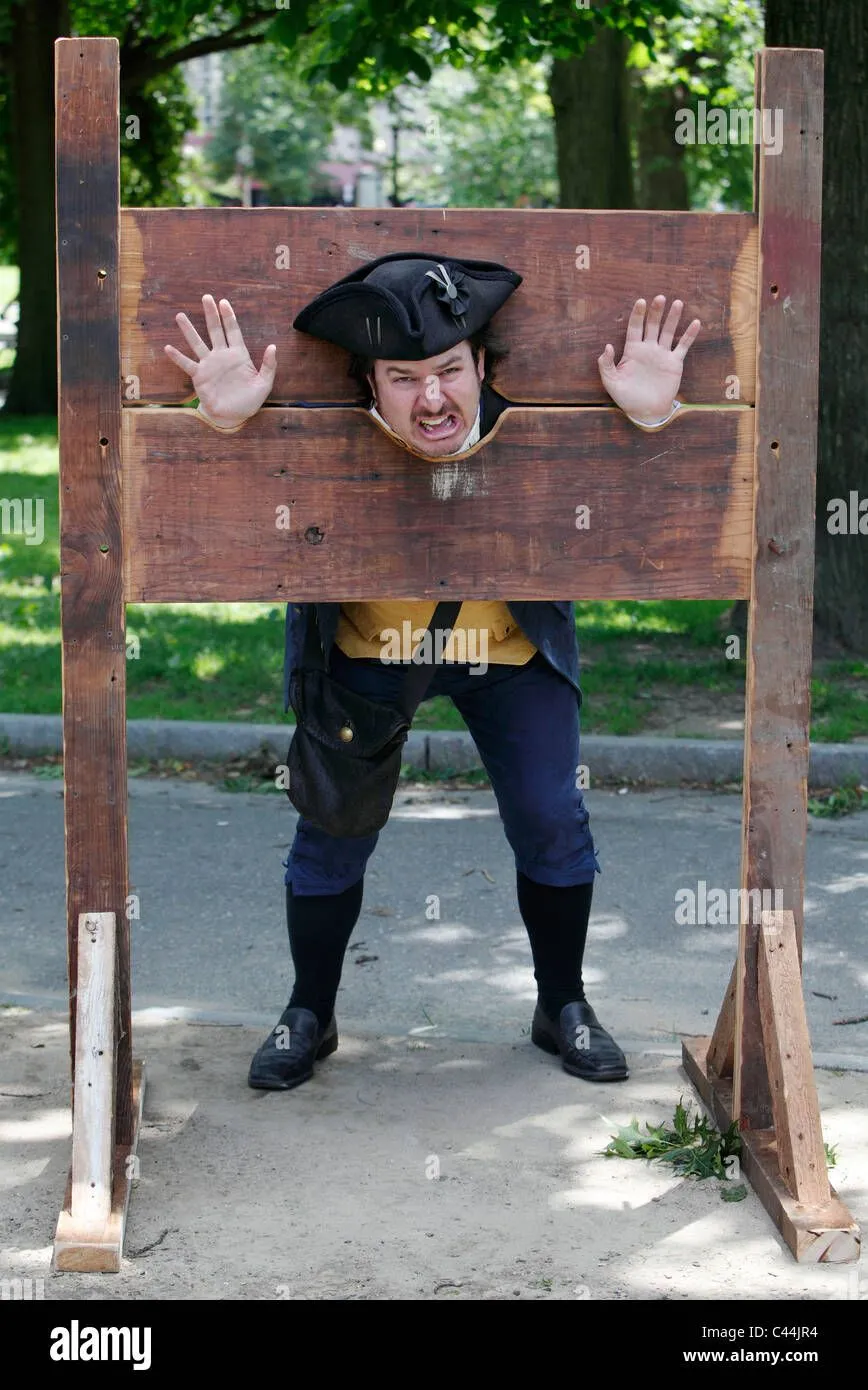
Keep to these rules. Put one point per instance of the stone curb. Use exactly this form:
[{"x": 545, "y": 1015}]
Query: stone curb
[{"x": 654, "y": 761}]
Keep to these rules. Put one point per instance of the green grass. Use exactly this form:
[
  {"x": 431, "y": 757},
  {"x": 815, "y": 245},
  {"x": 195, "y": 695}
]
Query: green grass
[
  {"x": 8, "y": 292},
  {"x": 225, "y": 661},
  {"x": 8, "y": 284},
  {"x": 839, "y": 801}
]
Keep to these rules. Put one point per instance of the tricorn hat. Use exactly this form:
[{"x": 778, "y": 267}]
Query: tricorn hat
[{"x": 408, "y": 306}]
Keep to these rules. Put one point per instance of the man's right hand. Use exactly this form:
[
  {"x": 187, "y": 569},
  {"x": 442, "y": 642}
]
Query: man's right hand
[{"x": 229, "y": 387}]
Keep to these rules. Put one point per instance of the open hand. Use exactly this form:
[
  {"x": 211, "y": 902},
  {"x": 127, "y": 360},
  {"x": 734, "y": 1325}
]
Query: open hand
[
  {"x": 229, "y": 387},
  {"x": 646, "y": 380}
]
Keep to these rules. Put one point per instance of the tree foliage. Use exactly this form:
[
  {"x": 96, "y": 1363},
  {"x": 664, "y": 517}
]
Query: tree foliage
[
  {"x": 706, "y": 52},
  {"x": 374, "y": 43},
  {"x": 488, "y": 144},
  {"x": 286, "y": 121},
  {"x": 155, "y": 37},
  {"x": 704, "y": 49}
]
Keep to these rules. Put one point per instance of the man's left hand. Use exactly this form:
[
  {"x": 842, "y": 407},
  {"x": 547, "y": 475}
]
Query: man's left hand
[{"x": 646, "y": 380}]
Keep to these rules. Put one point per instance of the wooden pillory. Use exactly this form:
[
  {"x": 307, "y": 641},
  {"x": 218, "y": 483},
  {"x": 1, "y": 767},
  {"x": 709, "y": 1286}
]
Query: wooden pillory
[{"x": 157, "y": 507}]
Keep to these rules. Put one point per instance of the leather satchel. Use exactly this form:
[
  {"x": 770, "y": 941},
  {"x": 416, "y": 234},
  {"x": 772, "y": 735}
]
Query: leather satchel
[{"x": 345, "y": 756}]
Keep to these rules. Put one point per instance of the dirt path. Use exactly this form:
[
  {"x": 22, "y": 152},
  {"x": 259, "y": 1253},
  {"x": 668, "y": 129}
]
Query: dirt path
[{"x": 404, "y": 1170}]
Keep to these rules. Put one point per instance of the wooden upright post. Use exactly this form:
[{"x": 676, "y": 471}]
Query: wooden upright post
[
  {"x": 761, "y": 1038},
  {"x": 780, "y": 623},
  {"x": 92, "y": 597}
]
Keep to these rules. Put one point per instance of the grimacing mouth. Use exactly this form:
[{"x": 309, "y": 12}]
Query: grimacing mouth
[{"x": 440, "y": 419}]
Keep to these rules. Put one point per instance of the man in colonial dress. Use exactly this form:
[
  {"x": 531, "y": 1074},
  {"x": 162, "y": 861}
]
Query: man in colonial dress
[{"x": 418, "y": 328}]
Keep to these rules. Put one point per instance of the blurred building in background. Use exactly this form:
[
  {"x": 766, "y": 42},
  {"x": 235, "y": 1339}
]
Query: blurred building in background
[{"x": 353, "y": 175}]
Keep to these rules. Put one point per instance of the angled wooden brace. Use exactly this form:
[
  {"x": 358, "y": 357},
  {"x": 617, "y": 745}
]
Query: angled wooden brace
[{"x": 785, "y": 1162}]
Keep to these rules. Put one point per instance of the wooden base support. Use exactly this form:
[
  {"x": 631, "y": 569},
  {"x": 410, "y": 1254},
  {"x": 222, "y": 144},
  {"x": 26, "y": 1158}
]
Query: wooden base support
[
  {"x": 795, "y": 1105},
  {"x": 97, "y": 1248},
  {"x": 823, "y": 1233}
]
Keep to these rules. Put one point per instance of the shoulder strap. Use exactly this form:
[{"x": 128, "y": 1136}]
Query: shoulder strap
[{"x": 420, "y": 675}]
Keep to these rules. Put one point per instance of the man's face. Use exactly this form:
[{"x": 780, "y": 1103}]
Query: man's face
[{"x": 433, "y": 403}]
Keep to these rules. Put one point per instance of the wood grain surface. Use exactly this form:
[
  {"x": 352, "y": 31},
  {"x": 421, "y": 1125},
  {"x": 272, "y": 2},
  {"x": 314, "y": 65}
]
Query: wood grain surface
[
  {"x": 557, "y": 322},
  {"x": 669, "y": 514},
  {"x": 91, "y": 537}
]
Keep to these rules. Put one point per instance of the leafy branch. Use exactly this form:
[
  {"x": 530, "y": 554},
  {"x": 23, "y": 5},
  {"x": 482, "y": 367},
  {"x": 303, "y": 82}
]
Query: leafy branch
[{"x": 694, "y": 1149}]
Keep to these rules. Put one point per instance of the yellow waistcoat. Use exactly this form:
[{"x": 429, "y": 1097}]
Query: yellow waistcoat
[{"x": 484, "y": 632}]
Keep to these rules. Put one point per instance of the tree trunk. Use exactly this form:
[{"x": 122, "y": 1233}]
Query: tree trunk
[
  {"x": 662, "y": 176},
  {"x": 841, "y": 30},
  {"x": 37, "y": 23},
  {"x": 592, "y": 129}
]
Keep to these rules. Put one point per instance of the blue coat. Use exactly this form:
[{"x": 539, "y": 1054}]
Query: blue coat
[{"x": 549, "y": 625}]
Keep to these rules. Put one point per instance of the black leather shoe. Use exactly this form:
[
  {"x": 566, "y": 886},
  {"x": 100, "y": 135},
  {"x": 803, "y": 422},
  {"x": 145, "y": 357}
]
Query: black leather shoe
[
  {"x": 287, "y": 1056},
  {"x": 586, "y": 1049}
]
